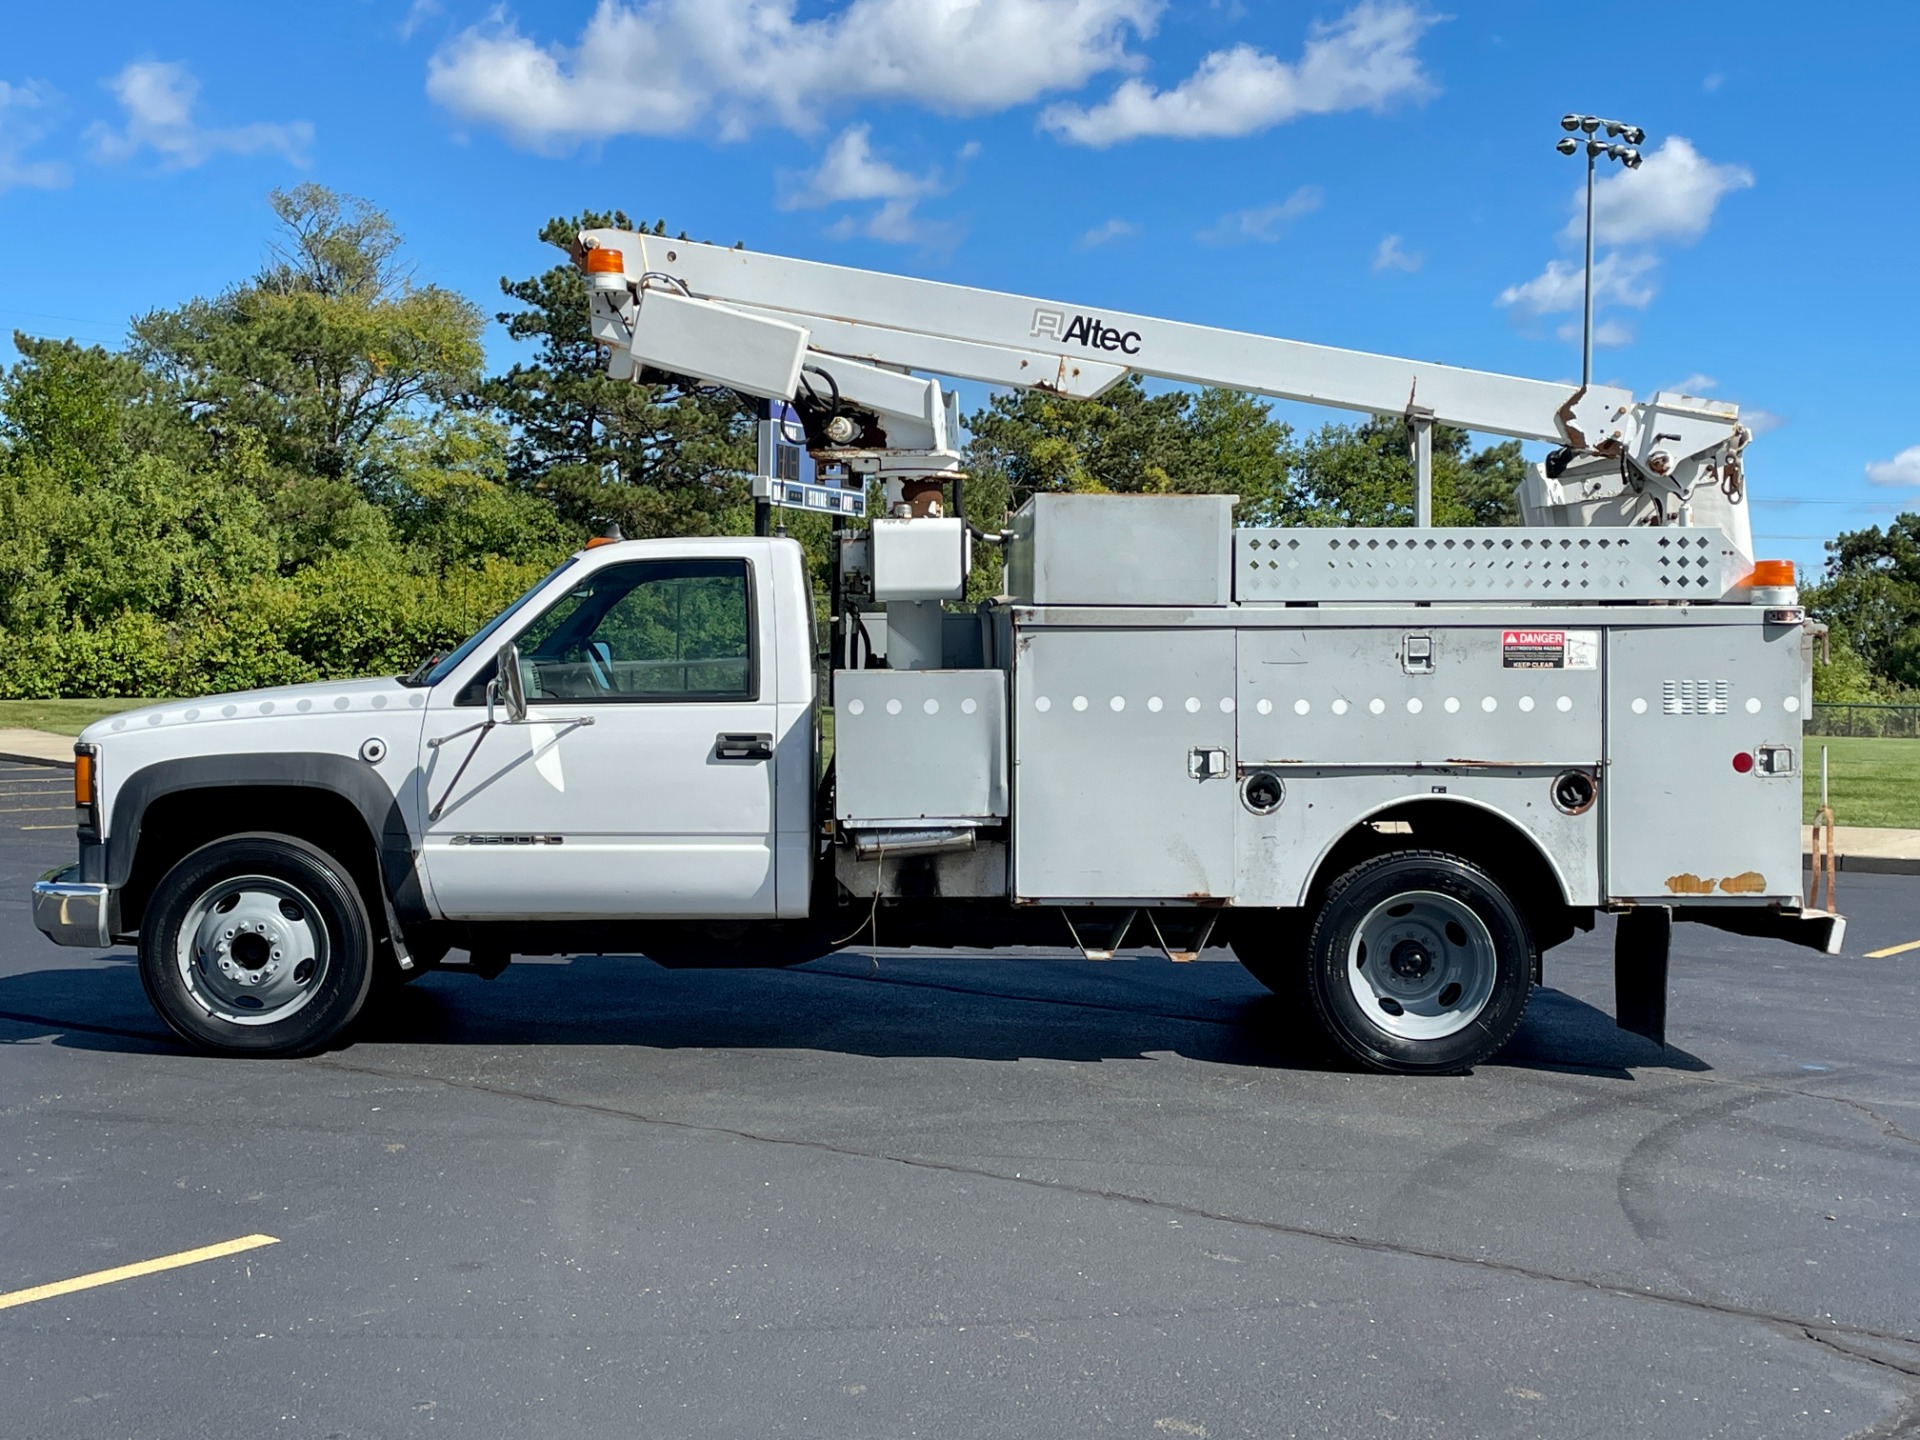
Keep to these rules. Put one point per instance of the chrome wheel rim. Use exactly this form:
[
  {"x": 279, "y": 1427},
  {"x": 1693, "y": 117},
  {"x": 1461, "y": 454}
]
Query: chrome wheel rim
[
  {"x": 1422, "y": 965},
  {"x": 253, "y": 950}
]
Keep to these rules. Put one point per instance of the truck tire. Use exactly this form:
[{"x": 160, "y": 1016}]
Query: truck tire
[
  {"x": 257, "y": 945},
  {"x": 1419, "y": 964}
]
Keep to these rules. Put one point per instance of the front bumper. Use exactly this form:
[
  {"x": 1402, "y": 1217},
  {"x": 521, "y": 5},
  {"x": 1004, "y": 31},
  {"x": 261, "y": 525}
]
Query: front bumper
[{"x": 70, "y": 912}]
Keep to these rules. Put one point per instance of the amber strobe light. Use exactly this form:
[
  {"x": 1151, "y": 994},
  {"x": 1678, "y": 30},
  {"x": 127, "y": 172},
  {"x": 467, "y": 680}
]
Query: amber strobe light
[
  {"x": 1771, "y": 573},
  {"x": 605, "y": 262}
]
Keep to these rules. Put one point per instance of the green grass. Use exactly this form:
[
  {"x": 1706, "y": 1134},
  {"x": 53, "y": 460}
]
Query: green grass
[
  {"x": 1870, "y": 782},
  {"x": 61, "y": 717}
]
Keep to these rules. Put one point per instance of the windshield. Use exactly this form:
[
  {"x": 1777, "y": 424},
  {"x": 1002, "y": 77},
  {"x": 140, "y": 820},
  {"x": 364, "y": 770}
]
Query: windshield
[{"x": 436, "y": 670}]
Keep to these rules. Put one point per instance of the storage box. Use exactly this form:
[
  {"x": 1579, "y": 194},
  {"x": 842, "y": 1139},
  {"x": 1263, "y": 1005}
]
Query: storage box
[{"x": 1122, "y": 550}]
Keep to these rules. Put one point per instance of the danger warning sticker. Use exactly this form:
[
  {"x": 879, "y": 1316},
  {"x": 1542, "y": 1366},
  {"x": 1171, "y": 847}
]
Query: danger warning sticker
[{"x": 1550, "y": 649}]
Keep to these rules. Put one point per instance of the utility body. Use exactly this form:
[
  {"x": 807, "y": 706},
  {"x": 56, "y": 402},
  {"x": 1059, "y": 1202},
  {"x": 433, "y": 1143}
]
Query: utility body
[{"x": 1390, "y": 768}]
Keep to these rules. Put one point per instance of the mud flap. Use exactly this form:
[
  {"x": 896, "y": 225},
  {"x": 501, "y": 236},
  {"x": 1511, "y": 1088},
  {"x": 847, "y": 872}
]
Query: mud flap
[{"x": 1642, "y": 940}]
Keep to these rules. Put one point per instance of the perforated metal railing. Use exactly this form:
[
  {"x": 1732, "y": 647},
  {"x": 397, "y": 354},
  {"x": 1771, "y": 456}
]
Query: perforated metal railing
[{"x": 1672, "y": 563}]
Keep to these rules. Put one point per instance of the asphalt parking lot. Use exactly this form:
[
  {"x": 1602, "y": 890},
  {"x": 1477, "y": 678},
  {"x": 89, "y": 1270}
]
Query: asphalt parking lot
[{"x": 893, "y": 1195}]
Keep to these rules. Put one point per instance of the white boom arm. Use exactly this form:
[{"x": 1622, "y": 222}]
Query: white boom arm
[{"x": 757, "y": 323}]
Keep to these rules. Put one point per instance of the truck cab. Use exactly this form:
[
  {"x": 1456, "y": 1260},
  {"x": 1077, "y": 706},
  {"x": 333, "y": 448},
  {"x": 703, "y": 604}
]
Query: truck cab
[{"x": 657, "y": 765}]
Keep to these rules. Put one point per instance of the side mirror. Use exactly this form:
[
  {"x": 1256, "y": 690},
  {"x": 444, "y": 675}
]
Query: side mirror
[{"x": 511, "y": 683}]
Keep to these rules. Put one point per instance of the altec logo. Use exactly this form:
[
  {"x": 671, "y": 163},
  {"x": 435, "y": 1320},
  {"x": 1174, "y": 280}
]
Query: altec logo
[{"x": 1086, "y": 330}]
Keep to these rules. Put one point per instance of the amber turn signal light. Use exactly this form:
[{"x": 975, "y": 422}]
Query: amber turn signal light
[{"x": 82, "y": 777}]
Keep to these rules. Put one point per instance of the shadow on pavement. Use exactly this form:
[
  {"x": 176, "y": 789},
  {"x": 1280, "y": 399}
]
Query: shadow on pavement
[{"x": 962, "y": 1009}]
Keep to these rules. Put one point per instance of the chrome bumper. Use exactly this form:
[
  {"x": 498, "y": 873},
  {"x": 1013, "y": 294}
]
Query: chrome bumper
[{"x": 68, "y": 912}]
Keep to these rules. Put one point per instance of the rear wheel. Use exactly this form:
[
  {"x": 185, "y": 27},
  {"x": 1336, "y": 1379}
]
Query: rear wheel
[
  {"x": 1419, "y": 963},
  {"x": 256, "y": 945}
]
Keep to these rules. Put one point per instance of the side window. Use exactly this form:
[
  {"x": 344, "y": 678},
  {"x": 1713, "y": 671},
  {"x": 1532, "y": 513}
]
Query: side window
[{"x": 648, "y": 630}]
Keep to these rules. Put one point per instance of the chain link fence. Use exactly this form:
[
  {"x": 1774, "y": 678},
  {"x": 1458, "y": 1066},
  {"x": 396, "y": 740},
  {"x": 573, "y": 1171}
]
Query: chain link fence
[{"x": 1883, "y": 722}]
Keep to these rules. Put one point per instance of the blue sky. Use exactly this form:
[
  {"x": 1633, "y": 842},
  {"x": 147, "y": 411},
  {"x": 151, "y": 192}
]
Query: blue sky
[{"x": 1377, "y": 175}]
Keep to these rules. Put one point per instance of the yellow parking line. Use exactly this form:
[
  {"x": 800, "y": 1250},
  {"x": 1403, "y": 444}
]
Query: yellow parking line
[
  {"x": 132, "y": 1272},
  {"x": 46, "y": 827},
  {"x": 1893, "y": 950},
  {"x": 35, "y": 809}
]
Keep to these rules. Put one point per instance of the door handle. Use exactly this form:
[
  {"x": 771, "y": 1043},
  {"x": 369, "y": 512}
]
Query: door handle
[{"x": 742, "y": 747}]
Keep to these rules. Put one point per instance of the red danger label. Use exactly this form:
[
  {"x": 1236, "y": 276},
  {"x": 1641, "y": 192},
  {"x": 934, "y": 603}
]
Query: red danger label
[{"x": 1533, "y": 649}]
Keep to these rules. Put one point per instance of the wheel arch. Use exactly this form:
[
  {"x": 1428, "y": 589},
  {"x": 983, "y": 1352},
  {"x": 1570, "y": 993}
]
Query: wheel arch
[
  {"x": 164, "y": 811},
  {"x": 1474, "y": 830}
]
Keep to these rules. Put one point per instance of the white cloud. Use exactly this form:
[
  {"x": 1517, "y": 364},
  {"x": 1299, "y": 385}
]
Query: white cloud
[
  {"x": 849, "y": 171},
  {"x": 1106, "y": 233},
  {"x": 1391, "y": 257},
  {"x": 158, "y": 98},
  {"x": 664, "y": 67},
  {"x": 1263, "y": 224},
  {"x": 1607, "y": 334},
  {"x": 1362, "y": 61},
  {"x": 1902, "y": 469},
  {"x": 898, "y": 223},
  {"x": 1712, "y": 83},
  {"x": 418, "y": 14},
  {"x": 19, "y": 130},
  {"x": 1617, "y": 279},
  {"x": 1672, "y": 196},
  {"x": 1694, "y": 384}
]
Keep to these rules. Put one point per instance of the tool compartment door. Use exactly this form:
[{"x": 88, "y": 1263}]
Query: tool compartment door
[
  {"x": 1106, "y": 726},
  {"x": 1682, "y": 822}
]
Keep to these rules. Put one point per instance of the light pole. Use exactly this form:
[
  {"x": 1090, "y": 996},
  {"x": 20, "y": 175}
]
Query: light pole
[{"x": 1620, "y": 144}]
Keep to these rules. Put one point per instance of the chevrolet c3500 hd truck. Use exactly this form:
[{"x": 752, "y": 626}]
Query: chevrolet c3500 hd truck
[{"x": 1390, "y": 767}]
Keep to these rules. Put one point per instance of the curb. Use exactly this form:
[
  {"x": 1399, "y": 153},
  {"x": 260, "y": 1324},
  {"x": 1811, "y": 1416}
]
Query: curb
[
  {"x": 22, "y": 758},
  {"x": 1869, "y": 864}
]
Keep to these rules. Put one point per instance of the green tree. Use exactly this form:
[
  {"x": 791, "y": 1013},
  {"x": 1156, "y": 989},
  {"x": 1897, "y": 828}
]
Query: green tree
[
  {"x": 1869, "y": 597},
  {"x": 663, "y": 458},
  {"x": 329, "y": 343},
  {"x": 1223, "y": 441},
  {"x": 443, "y": 487},
  {"x": 1127, "y": 442},
  {"x": 1363, "y": 475},
  {"x": 273, "y": 485}
]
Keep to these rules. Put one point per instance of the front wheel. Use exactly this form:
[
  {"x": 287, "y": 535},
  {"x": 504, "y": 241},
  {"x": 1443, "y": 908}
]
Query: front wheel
[
  {"x": 256, "y": 945},
  {"x": 1419, "y": 963}
]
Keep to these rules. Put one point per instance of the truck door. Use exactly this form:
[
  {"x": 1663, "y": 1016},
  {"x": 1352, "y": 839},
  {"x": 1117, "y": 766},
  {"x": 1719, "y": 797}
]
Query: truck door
[{"x": 642, "y": 783}]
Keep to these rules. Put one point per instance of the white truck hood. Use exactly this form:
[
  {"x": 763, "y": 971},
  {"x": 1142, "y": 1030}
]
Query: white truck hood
[{"x": 279, "y": 703}]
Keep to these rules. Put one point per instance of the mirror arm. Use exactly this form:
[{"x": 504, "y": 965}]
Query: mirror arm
[{"x": 483, "y": 727}]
